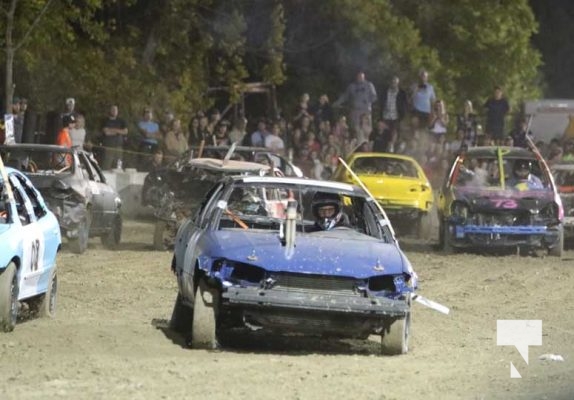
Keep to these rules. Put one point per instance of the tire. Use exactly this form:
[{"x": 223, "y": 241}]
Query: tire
[
  {"x": 558, "y": 250},
  {"x": 422, "y": 224},
  {"x": 395, "y": 340},
  {"x": 203, "y": 330},
  {"x": 46, "y": 304},
  {"x": 444, "y": 238},
  {"x": 160, "y": 235},
  {"x": 181, "y": 317},
  {"x": 80, "y": 244},
  {"x": 112, "y": 239},
  {"x": 8, "y": 298}
]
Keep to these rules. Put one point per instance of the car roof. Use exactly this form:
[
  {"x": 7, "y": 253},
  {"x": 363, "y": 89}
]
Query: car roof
[
  {"x": 227, "y": 165},
  {"x": 342, "y": 187},
  {"x": 492, "y": 151},
  {"x": 354, "y": 156}
]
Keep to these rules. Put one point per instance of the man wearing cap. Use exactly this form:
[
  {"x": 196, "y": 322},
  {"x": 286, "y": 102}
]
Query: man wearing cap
[{"x": 61, "y": 160}]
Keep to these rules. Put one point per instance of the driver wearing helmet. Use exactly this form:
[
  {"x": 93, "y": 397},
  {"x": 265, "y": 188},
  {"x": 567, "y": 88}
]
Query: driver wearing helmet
[
  {"x": 328, "y": 212},
  {"x": 522, "y": 178}
]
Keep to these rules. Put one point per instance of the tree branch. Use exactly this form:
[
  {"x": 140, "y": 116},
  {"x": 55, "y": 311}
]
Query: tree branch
[{"x": 33, "y": 25}]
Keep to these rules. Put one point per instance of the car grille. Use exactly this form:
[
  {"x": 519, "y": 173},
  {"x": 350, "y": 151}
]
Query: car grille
[
  {"x": 499, "y": 219},
  {"x": 314, "y": 283}
]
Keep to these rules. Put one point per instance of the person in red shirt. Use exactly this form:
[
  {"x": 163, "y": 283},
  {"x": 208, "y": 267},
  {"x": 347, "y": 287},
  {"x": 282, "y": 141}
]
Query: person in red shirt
[{"x": 62, "y": 160}]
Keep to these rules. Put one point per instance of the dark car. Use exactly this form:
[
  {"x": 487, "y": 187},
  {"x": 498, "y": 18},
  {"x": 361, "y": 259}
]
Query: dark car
[
  {"x": 75, "y": 190},
  {"x": 181, "y": 190},
  {"x": 563, "y": 173},
  {"x": 291, "y": 256},
  {"x": 501, "y": 197},
  {"x": 173, "y": 173}
]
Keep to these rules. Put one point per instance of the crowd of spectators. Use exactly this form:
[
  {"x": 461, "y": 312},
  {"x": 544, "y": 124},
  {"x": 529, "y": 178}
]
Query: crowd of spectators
[{"x": 410, "y": 121}]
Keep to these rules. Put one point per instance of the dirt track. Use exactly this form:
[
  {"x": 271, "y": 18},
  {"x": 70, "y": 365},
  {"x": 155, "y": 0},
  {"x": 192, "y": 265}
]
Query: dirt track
[{"x": 109, "y": 340}]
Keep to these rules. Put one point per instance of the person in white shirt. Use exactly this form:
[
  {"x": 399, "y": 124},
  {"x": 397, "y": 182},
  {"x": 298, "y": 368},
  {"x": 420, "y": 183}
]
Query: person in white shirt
[{"x": 274, "y": 141}]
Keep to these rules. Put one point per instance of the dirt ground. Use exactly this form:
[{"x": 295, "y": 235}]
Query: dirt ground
[{"x": 109, "y": 339}]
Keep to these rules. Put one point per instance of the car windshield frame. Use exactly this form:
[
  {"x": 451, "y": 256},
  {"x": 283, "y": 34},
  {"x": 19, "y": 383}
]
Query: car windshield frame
[
  {"x": 493, "y": 172},
  {"x": 36, "y": 160}
]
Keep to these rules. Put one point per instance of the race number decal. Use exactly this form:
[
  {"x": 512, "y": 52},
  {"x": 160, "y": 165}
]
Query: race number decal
[
  {"x": 35, "y": 255},
  {"x": 505, "y": 203}
]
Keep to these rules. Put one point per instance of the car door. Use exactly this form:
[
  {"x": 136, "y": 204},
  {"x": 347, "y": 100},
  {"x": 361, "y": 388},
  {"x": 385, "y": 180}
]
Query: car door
[
  {"x": 104, "y": 197},
  {"x": 32, "y": 263},
  {"x": 46, "y": 221},
  {"x": 191, "y": 250}
]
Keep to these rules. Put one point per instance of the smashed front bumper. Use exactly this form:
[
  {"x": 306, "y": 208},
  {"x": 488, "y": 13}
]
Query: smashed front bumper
[
  {"x": 503, "y": 236},
  {"x": 343, "y": 316},
  {"x": 309, "y": 301}
]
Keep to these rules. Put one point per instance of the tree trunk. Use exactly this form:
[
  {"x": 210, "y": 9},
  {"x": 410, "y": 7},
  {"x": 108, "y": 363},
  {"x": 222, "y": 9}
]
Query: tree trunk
[{"x": 9, "y": 49}]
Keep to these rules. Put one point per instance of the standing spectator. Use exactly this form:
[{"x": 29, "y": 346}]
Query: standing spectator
[
  {"x": 70, "y": 108},
  {"x": 238, "y": 132},
  {"x": 17, "y": 120},
  {"x": 360, "y": 95},
  {"x": 214, "y": 119},
  {"x": 468, "y": 123},
  {"x": 496, "y": 109},
  {"x": 439, "y": 123},
  {"x": 382, "y": 138},
  {"x": 423, "y": 97},
  {"x": 29, "y": 122},
  {"x": 274, "y": 142},
  {"x": 221, "y": 137},
  {"x": 257, "y": 138},
  {"x": 520, "y": 132},
  {"x": 394, "y": 104},
  {"x": 148, "y": 129},
  {"x": 365, "y": 129},
  {"x": 323, "y": 112},
  {"x": 175, "y": 142},
  {"x": 303, "y": 108},
  {"x": 63, "y": 138},
  {"x": 62, "y": 160},
  {"x": 115, "y": 131},
  {"x": 194, "y": 136},
  {"x": 78, "y": 131},
  {"x": 166, "y": 122}
]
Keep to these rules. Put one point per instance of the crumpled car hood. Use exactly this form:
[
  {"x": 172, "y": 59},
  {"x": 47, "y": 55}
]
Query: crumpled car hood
[
  {"x": 487, "y": 199},
  {"x": 336, "y": 253}
]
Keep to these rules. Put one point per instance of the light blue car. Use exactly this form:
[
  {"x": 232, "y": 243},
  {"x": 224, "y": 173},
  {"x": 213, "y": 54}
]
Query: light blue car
[{"x": 29, "y": 242}]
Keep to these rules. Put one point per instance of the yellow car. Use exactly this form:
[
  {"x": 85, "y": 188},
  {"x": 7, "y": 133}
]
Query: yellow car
[{"x": 397, "y": 182}]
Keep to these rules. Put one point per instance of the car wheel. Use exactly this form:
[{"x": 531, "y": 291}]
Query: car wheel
[
  {"x": 162, "y": 235},
  {"x": 46, "y": 303},
  {"x": 80, "y": 244},
  {"x": 8, "y": 298},
  {"x": 444, "y": 238},
  {"x": 203, "y": 330},
  {"x": 395, "y": 340},
  {"x": 181, "y": 317},
  {"x": 558, "y": 249},
  {"x": 422, "y": 224},
  {"x": 112, "y": 239}
]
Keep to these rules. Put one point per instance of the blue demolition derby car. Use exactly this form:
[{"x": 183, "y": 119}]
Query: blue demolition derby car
[
  {"x": 291, "y": 256},
  {"x": 29, "y": 241}
]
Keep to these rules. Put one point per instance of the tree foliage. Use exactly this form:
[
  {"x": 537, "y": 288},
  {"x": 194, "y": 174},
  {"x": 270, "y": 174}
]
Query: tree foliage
[{"x": 167, "y": 54}]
